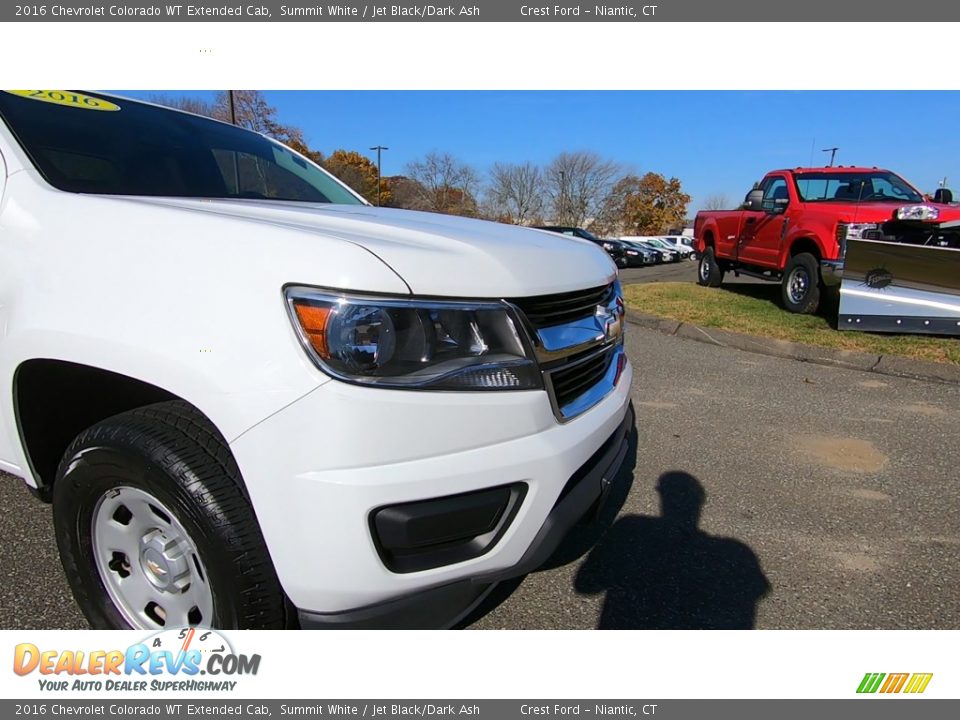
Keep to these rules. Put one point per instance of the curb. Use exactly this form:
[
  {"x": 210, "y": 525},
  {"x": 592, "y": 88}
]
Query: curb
[{"x": 849, "y": 359}]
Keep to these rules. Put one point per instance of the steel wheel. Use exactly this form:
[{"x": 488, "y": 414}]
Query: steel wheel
[
  {"x": 798, "y": 284},
  {"x": 704, "y": 269},
  {"x": 710, "y": 272},
  {"x": 148, "y": 562}
]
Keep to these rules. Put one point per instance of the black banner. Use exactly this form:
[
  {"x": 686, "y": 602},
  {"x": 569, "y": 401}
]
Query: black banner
[{"x": 860, "y": 11}]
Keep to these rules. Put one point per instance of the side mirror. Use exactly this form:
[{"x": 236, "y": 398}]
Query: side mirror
[
  {"x": 943, "y": 196},
  {"x": 754, "y": 201}
]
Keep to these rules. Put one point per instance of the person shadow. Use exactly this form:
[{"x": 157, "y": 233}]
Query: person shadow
[{"x": 664, "y": 573}]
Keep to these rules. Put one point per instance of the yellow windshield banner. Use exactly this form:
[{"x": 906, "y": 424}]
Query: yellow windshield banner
[{"x": 68, "y": 98}]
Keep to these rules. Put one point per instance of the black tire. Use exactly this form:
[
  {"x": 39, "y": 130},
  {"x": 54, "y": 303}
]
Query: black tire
[
  {"x": 709, "y": 272},
  {"x": 800, "y": 287},
  {"x": 173, "y": 453},
  {"x": 621, "y": 262}
]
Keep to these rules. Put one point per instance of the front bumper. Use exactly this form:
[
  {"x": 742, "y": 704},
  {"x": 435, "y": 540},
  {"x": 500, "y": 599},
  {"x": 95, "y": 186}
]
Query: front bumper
[
  {"x": 317, "y": 471},
  {"x": 832, "y": 272},
  {"x": 442, "y": 607}
]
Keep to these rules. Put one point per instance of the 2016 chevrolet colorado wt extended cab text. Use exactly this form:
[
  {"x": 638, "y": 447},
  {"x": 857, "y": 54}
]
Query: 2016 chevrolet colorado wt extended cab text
[
  {"x": 794, "y": 224},
  {"x": 255, "y": 401}
]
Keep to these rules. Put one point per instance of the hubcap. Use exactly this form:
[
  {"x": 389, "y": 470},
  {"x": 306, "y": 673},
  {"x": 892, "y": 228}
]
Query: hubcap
[
  {"x": 148, "y": 562},
  {"x": 797, "y": 285},
  {"x": 704, "y": 268}
]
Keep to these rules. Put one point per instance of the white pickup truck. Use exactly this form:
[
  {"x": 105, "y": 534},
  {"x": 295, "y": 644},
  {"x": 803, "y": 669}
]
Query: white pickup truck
[{"x": 255, "y": 401}]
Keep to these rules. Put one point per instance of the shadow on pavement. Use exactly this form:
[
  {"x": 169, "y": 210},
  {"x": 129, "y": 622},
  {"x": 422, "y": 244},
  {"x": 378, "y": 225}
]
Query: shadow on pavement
[{"x": 665, "y": 573}]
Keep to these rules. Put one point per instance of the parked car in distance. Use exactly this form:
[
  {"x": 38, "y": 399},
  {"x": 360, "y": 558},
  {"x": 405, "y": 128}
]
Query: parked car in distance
[
  {"x": 655, "y": 242},
  {"x": 256, "y": 401},
  {"x": 615, "y": 249},
  {"x": 658, "y": 255},
  {"x": 681, "y": 243},
  {"x": 639, "y": 255},
  {"x": 793, "y": 226}
]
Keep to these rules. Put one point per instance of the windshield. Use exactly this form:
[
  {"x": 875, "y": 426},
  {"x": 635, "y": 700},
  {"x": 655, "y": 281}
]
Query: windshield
[
  {"x": 147, "y": 150},
  {"x": 876, "y": 186}
]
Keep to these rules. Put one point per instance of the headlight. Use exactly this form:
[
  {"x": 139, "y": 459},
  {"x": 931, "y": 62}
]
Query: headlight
[
  {"x": 404, "y": 343},
  {"x": 918, "y": 212},
  {"x": 632, "y": 252},
  {"x": 855, "y": 231},
  {"x": 607, "y": 246}
]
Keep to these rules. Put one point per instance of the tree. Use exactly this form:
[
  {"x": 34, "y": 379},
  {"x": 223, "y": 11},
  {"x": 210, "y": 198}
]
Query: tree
[
  {"x": 647, "y": 205},
  {"x": 516, "y": 193},
  {"x": 403, "y": 192},
  {"x": 188, "y": 104},
  {"x": 253, "y": 112},
  {"x": 358, "y": 172},
  {"x": 577, "y": 184},
  {"x": 444, "y": 184},
  {"x": 717, "y": 201}
]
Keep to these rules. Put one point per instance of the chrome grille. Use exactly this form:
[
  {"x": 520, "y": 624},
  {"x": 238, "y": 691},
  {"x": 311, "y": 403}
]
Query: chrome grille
[
  {"x": 578, "y": 340},
  {"x": 549, "y": 310},
  {"x": 579, "y": 375}
]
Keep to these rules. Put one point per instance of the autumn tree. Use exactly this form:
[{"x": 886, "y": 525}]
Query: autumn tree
[
  {"x": 577, "y": 184},
  {"x": 646, "y": 205},
  {"x": 402, "y": 192},
  {"x": 358, "y": 172},
  {"x": 443, "y": 184},
  {"x": 516, "y": 193}
]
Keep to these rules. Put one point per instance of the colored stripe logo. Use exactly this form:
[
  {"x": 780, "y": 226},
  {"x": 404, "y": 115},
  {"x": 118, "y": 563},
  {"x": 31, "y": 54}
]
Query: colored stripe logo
[{"x": 913, "y": 683}]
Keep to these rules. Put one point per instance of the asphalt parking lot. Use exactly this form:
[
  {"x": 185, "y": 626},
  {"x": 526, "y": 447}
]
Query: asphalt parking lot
[
  {"x": 683, "y": 271},
  {"x": 762, "y": 493}
]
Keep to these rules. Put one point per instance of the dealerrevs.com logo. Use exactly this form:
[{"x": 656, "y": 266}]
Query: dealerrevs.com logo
[
  {"x": 892, "y": 683},
  {"x": 188, "y": 659}
]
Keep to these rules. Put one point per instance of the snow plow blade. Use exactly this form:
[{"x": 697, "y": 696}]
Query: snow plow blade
[{"x": 900, "y": 288}]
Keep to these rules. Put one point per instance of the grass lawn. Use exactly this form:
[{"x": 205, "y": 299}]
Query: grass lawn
[{"x": 755, "y": 309}]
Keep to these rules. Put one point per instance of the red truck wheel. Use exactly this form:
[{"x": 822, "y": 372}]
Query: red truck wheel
[
  {"x": 709, "y": 273},
  {"x": 801, "y": 284}
]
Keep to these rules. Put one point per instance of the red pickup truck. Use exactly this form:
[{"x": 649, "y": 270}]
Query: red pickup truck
[{"x": 793, "y": 226}]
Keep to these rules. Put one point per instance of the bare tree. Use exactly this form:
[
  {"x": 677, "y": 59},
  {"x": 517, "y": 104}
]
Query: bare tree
[
  {"x": 577, "y": 184},
  {"x": 253, "y": 112},
  {"x": 516, "y": 192},
  {"x": 717, "y": 201},
  {"x": 189, "y": 104},
  {"x": 444, "y": 184}
]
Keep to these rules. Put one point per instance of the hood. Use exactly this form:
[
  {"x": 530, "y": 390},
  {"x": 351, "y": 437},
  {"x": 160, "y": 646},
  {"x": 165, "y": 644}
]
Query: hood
[
  {"x": 434, "y": 254},
  {"x": 878, "y": 212}
]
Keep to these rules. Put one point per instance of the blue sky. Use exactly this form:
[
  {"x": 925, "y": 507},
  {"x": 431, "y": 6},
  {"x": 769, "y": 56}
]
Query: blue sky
[{"x": 715, "y": 142}]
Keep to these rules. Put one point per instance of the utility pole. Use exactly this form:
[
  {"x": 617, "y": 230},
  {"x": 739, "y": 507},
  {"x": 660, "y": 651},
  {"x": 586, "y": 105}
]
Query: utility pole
[
  {"x": 379, "y": 149},
  {"x": 833, "y": 154}
]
